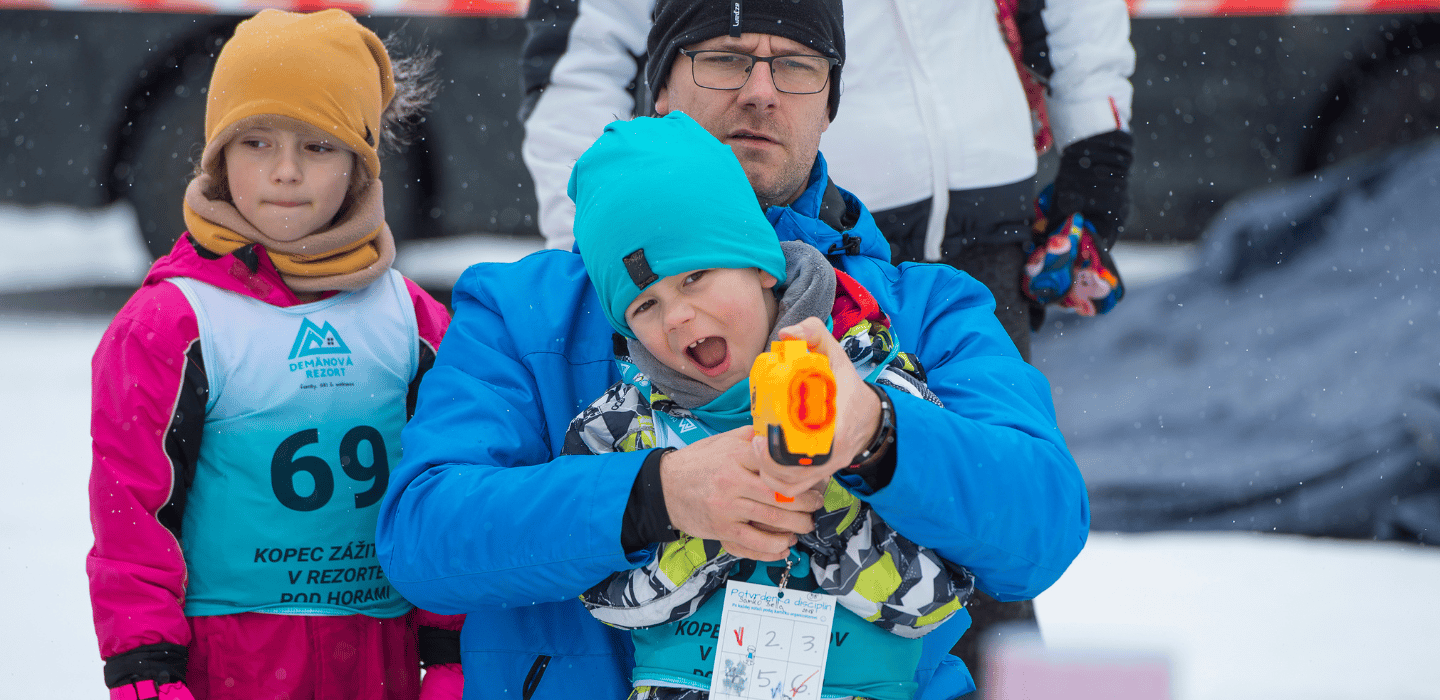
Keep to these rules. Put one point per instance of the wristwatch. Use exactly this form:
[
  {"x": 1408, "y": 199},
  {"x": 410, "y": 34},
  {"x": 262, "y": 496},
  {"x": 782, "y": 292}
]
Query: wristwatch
[{"x": 884, "y": 436}]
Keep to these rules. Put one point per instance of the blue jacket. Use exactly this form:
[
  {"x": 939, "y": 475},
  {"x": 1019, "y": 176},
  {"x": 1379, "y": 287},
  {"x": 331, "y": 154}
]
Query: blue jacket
[{"x": 481, "y": 517}]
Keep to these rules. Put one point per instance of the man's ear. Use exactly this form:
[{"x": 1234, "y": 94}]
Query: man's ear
[
  {"x": 767, "y": 280},
  {"x": 662, "y": 100}
]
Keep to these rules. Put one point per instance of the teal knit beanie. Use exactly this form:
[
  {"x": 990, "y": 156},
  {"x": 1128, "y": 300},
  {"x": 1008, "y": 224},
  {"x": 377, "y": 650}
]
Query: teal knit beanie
[{"x": 656, "y": 197}]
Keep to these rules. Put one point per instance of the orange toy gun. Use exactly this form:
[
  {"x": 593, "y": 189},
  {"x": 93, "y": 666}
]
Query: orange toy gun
[{"x": 792, "y": 399}]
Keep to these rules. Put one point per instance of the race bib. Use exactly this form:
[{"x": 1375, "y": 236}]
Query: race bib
[{"x": 773, "y": 643}]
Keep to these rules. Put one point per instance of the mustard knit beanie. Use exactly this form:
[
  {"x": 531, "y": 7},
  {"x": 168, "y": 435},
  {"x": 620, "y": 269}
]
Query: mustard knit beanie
[{"x": 323, "y": 68}]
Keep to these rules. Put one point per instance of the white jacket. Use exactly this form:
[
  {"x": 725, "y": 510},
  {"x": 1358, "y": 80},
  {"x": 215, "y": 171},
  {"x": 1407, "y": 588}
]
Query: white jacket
[{"x": 930, "y": 98}]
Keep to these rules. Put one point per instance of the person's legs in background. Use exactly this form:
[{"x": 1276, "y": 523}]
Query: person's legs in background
[
  {"x": 999, "y": 267},
  {"x": 986, "y": 231}
]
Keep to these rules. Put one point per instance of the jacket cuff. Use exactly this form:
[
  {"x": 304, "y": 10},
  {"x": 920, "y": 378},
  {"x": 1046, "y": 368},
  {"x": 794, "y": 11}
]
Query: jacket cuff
[
  {"x": 875, "y": 472},
  {"x": 878, "y": 474},
  {"x": 647, "y": 520},
  {"x": 438, "y": 646},
  {"x": 1075, "y": 121},
  {"x": 163, "y": 663}
]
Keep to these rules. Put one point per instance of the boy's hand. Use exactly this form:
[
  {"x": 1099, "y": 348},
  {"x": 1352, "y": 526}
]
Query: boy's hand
[
  {"x": 713, "y": 491},
  {"x": 857, "y": 418}
]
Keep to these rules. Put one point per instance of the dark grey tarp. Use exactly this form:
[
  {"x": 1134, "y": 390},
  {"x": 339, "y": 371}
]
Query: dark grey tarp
[{"x": 1291, "y": 383}]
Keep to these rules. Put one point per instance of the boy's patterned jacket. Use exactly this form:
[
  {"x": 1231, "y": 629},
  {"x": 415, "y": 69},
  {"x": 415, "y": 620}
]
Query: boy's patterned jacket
[{"x": 849, "y": 540}]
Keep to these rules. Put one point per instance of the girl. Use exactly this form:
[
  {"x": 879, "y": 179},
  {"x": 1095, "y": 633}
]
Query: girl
[{"x": 248, "y": 399}]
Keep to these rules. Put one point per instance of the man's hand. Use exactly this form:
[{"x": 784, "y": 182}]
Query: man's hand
[
  {"x": 857, "y": 418},
  {"x": 713, "y": 491},
  {"x": 1092, "y": 181},
  {"x": 1078, "y": 218}
]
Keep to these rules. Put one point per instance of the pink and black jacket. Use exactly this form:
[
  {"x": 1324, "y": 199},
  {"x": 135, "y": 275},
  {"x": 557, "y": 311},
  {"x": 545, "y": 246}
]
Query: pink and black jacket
[{"x": 149, "y": 396}]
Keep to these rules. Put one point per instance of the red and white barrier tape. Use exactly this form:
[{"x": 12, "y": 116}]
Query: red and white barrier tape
[
  {"x": 516, "y": 8},
  {"x": 447, "y": 8},
  {"x": 1233, "y": 8}
]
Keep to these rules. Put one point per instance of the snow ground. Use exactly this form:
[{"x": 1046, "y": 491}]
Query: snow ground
[{"x": 1238, "y": 615}]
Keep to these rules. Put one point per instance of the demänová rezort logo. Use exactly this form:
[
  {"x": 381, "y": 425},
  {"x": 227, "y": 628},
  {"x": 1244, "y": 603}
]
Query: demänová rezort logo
[{"x": 317, "y": 340}]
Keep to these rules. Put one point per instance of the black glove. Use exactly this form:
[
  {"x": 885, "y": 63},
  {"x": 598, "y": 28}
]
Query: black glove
[
  {"x": 438, "y": 646},
  {"x": 163, "y": 663},
  {"x": 1078, "y": 219},
  {"x": 1092, "y": 182}
]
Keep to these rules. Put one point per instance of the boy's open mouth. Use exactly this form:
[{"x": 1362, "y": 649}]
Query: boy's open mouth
[{"x": 710, "y": 355}]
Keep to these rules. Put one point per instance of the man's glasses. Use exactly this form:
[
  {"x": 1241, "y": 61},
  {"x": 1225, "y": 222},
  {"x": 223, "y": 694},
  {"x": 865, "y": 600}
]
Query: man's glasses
[{"x": 728, "y": 70}]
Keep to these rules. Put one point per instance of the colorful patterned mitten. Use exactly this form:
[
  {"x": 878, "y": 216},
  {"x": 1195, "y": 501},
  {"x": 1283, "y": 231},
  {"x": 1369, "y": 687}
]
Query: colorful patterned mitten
[{"x": 1071, "y": 269}]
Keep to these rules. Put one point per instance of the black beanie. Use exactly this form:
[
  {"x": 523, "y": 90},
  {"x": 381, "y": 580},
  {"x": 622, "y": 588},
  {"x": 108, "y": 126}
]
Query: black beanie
[{"x": 675, "y": 24}]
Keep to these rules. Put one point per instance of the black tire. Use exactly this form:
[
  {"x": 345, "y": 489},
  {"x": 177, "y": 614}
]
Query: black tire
[
  {"x": 411, "y": 196},
  {"x": 158, "y": 146},
  {"x": 1391, "y": 99},
  {"x": 166, "y": 154},
  {"x": 159, "y": 139}
]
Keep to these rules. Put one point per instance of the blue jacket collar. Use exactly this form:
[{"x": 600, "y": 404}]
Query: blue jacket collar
[{"x": 830, "y": 219}]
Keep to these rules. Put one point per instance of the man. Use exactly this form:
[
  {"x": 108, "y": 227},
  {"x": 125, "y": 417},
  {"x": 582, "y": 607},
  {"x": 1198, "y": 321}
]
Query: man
[
  {"x": 513, "y": 534},
  {"x": 956, "y": 183},
  {"x": 936, "y": 136}
]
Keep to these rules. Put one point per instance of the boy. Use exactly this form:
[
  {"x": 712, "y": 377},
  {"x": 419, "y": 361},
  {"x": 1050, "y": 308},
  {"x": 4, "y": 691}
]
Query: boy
[{"x": 699, "y": 285}]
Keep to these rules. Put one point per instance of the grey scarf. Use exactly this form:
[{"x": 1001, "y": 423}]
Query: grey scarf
[{"x": 809, "y": 291}]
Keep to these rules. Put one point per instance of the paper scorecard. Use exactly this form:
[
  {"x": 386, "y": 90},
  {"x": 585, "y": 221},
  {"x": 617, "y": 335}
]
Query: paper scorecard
[{"x": 773, "y": 643}]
